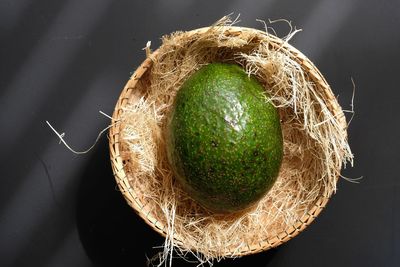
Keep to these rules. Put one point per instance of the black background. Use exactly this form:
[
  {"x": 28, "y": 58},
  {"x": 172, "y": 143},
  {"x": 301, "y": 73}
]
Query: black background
[{"x": 63, "y": 61}]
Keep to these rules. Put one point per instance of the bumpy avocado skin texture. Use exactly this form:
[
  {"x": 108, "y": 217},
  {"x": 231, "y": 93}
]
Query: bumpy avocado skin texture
[{"x": 224, "y": 139}]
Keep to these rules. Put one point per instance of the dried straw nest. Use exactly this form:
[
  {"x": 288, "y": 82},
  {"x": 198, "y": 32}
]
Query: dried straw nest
[{"x": 314, "y": 130}]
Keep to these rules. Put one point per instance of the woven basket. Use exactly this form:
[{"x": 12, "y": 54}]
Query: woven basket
[{"x": 130, "y": 95}]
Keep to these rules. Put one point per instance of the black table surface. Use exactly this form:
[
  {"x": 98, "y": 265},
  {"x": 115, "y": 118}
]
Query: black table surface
[{"x": 63, "y": 61}]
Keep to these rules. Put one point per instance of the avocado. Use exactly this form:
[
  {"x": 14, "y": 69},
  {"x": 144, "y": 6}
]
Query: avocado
[{"x": 224, "y": 139}]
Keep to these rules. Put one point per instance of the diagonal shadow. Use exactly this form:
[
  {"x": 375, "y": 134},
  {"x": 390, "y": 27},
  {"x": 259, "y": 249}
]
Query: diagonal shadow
[
  {"x": 76, "y": 74},
  {"x": 19, "y": 41},
  {"x": 322, "y": 26}
]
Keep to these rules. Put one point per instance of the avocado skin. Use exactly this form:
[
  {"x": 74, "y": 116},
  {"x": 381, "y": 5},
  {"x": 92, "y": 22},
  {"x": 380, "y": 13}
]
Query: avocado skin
[{"x": 224, "y": 139}]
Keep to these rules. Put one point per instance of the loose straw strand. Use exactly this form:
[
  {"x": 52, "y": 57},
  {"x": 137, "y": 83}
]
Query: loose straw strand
[{"x": 62, "y": 135}]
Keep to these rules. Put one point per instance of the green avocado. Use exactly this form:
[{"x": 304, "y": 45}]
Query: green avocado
[{"x": 224, "y": 139}]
